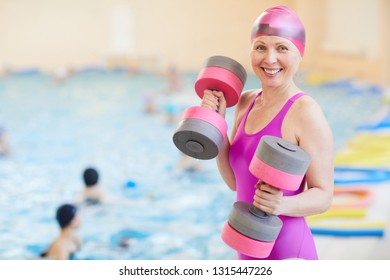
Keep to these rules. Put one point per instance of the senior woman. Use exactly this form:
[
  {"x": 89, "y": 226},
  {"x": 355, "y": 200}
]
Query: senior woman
[{"x": 279, "y": 109}]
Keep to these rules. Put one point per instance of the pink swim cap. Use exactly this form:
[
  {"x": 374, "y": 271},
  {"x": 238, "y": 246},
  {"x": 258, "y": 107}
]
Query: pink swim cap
[{"x": 283, "y": 22}]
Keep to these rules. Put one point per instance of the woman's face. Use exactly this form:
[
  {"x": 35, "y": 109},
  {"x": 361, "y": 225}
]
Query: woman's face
[{"x": 275, "y": 60}]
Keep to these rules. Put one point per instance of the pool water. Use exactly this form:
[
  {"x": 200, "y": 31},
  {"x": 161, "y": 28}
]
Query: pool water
[{"x": 97, "y": 118}]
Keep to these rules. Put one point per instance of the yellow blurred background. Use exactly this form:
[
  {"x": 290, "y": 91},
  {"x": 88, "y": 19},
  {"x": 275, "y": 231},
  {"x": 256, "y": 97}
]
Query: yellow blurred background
[{"x": 348, "y": 38}]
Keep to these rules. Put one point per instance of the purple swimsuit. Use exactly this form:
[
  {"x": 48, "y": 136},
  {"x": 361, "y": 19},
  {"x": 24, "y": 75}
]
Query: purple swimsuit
[{"x": 295, "y": 239}]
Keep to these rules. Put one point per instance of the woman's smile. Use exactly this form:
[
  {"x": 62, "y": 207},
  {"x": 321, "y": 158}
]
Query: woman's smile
[{"x": 271, "y": 71}]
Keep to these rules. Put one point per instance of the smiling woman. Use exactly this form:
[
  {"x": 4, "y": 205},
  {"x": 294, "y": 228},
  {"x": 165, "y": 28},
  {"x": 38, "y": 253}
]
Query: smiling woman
[{"x": 279, "y": 109}]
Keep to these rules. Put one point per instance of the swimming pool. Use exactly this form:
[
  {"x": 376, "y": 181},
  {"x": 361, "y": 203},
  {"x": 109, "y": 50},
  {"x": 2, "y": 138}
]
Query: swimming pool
[{"x": 97, "y": 118}]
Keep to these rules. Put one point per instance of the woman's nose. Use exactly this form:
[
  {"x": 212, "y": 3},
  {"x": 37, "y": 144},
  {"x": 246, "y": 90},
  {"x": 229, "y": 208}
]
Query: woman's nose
[{"x": 270, "y": 56}]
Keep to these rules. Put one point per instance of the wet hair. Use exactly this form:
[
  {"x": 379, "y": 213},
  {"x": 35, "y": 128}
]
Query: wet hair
[
  {"x": 90, "y": 177},
  {"x": 283, "y": 22},
  {"x": 65, "y": 214}
]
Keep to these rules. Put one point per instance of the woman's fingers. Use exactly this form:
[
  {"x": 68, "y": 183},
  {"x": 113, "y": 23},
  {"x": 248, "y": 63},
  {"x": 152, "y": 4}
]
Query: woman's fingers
[
  {"x": 214, "y": 100},
  {"x": 267, "y": 198}
]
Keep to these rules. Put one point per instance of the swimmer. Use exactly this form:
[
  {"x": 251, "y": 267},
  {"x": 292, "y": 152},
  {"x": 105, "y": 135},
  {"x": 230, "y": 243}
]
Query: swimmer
[
  {"x": 174, "y": 79},
  {"x": 170, "y": 109},
  {"x": 150, "y": 104},
  {"x": 4, "y": 149},
  {"x": 68, "y": 241},
  {"x": 92, "y": 193},
  {"x": 189, "y": 164},
  {"x": 125, "y": 242}
]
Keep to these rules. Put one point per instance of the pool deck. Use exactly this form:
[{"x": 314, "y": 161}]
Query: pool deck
[{"x": 362, "y": 247}]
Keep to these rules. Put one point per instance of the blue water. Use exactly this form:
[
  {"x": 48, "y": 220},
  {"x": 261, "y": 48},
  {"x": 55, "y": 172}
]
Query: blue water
[{"x": 97, "y": 118}]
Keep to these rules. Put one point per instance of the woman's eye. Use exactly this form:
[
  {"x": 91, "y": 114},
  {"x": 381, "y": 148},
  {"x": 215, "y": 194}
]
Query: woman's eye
[
  {"x": 283, "y": 48},
  {"x": 260, "y": 48}
]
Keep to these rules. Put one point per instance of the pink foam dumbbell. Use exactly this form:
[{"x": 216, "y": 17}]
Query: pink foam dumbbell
[
  {"x": 278, "y": 163},
  {"x": 201, "y": 132}
]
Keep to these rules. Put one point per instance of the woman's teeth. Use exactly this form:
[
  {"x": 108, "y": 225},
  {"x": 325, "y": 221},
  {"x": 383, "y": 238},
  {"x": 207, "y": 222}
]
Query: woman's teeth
[{"x": 271, "y": 71}]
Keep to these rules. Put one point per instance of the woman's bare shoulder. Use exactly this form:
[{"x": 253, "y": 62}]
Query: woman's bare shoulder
[
  {"x": 307, "y": 106},
  {"x": 308, "y": 113},
  {"x": 246, "y": 97}
]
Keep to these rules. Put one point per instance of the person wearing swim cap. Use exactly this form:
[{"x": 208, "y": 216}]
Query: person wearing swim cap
[
  {"x": 280, "y": 108},
  {"x": 68, "y": 241},
  {"x": 92, "y": 193}
]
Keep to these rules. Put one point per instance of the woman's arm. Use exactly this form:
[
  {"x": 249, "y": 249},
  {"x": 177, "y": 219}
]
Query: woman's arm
[
  {"x": 215, "y": 100},
  {"x": 224, "y": 165},
  {"x": 312, "y": 132}
]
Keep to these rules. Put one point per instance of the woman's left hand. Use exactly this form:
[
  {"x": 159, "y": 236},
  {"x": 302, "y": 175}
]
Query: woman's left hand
[{"x": 267, "y": 198}]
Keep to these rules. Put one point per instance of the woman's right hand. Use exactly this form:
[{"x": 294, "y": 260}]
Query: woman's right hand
[{"x": 214, "y": 100}]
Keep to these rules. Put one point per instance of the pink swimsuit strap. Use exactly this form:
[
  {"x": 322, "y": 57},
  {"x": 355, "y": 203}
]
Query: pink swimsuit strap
[{"x": 275, "y": 125}]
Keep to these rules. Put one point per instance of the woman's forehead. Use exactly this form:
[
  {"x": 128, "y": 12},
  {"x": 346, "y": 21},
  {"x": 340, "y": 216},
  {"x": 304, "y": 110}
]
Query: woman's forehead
[{"x": 272, "y": 40}]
